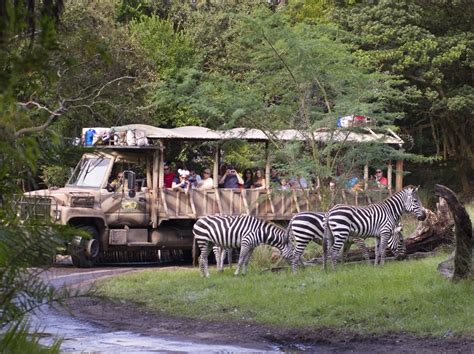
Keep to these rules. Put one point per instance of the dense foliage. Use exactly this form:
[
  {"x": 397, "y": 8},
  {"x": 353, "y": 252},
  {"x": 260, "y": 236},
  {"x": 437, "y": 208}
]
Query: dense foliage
[{"x": 294, "y": 64}]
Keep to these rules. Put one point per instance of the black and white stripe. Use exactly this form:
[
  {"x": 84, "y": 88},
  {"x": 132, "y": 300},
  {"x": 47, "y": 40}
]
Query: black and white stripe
[
  {"x": 378, "y": 220},
  {"x": 309, "y": 226},
  {"x": 244, "y": 232}
]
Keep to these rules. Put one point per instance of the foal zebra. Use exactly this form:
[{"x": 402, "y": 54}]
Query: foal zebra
[
  {"x": 396, "y": 244},
  {"x": 242, "y": 231},
  {"x": 378, "y": 220},
  {"x": 309, "y": 226}
]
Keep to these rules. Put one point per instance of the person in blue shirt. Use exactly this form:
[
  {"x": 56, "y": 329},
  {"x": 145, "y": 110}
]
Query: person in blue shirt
[{"x": 231, "y": 179}]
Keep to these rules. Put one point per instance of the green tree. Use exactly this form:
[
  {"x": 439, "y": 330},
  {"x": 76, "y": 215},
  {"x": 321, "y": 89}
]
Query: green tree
[
  {"x": 279, "y": 75},
  {"x": 28, "y": 35},
  {"x": 429, "y": 44}
]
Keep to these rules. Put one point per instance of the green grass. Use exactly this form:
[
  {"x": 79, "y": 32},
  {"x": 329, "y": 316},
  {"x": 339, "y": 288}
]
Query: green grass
[{"x": 402, "y": 296}]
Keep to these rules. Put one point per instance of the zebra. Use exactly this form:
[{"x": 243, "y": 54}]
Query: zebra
[
  {"x": 395, "y": 243},
  {"x": 244, "y": 231},
  {"x": 378, "y": 220},
  {"x": 309, "y": 226}
]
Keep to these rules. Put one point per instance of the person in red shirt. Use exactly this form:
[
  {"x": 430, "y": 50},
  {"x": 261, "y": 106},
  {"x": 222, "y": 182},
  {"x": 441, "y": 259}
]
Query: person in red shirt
[
  {"x": 169, "y": 176},
  {"x": 382, "y": 182}
]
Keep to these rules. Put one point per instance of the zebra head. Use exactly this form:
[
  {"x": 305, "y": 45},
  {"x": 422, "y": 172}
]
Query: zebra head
[
  {"x": 413, "y": 204},
  {"x": 398, "y": 247},
  {"x": 280, "y": 239}
]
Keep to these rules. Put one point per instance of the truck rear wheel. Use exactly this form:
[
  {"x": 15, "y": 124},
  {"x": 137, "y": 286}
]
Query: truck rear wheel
[{"x": 84, "y": 252}]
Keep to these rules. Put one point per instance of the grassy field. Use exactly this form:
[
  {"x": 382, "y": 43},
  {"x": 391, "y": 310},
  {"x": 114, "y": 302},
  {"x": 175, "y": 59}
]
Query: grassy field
[{"x": 405, "y": 296}]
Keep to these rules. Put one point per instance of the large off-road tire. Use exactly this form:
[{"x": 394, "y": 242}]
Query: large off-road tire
[{"x": 84, "y": 252}]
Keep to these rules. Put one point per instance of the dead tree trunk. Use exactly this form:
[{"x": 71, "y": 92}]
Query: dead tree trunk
[
  {"x": 463, "y": 227},
  {"x": 434, "y": 231}
]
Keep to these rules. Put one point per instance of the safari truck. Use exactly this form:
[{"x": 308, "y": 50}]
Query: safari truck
[{"x": 143, "y": 221}]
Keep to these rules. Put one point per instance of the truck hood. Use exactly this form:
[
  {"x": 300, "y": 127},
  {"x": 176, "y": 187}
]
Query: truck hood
[{"x": 61, "y": 195}]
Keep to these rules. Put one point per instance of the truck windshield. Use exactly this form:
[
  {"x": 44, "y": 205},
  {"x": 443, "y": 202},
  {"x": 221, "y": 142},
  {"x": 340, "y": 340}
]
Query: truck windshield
[{"x": 90, "y": 172}]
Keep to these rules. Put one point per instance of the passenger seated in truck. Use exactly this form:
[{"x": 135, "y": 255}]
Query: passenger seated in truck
[
  {"x": 181, "y": 183},
  {"x": 194, "y": 178},
  {"x": 169, "y": 176},
  {"x": 231, "y": 179},
  {"x": 206, "y": 182}
]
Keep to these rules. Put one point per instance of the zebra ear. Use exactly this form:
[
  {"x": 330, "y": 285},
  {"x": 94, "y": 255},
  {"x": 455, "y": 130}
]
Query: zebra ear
[{"x": 416, "y": 188}]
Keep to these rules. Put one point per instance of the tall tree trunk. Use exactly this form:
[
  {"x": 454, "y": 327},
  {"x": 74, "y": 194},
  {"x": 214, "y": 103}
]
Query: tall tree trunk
[{"x": 463, "y": 226}]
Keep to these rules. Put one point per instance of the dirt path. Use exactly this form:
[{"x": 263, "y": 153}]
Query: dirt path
[{"x": 124, "y": 316}]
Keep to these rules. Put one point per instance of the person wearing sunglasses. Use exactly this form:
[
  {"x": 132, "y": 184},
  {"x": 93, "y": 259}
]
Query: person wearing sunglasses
[
  {"x": 206, "y": 182},
  {"x": 169, "y": 176},
  {"x": 382, "y": 181}
]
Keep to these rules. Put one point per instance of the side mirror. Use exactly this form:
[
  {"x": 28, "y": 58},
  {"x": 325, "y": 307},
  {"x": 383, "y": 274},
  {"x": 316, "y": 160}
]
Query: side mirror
[{"x": 131, "y": 180}]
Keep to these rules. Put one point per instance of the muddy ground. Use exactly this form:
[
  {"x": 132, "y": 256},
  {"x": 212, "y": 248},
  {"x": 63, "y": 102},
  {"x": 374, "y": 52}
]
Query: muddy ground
[{"x": 124, "y": 316}]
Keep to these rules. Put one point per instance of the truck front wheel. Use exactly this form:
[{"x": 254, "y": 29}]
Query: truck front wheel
[{"x": 84, "y": 252}]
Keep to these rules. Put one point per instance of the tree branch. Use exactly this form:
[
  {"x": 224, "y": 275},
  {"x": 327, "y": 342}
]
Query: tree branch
[{"x": 53, "y": 115}]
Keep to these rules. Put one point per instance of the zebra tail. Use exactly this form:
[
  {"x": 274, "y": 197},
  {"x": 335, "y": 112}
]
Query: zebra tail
[
  {"x": 326, "y": 236},
  {"x": 288, "y": 231},
  {"x": 195, "y": 256}
]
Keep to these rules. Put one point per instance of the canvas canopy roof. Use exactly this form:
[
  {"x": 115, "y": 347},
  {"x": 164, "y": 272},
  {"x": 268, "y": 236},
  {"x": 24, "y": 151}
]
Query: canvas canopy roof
[{"x": 202, "y": 133}]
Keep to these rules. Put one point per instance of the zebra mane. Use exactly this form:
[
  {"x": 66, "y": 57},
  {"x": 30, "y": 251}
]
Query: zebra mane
[
  {"x": 276, "y": 225},
  {"x": 410, "y": 186}
]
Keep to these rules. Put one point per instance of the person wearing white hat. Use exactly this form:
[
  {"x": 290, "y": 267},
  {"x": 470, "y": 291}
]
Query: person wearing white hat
[{"x": 182, "y": 182}]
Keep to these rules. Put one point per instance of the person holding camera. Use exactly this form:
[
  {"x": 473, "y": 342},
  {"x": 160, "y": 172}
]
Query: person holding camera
[
  {"x": 231, "y": 179},
  {"x": 182, "y": 183}
]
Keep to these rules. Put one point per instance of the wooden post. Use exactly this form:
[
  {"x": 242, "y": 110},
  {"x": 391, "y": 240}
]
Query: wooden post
[
  {"x": 215, "y": 170},
  {"x": 154, "y": 192},
  {"x": 399, "y": 175},
  {"x": 389, "y": 177},
  {"x": 149, "y": 174},
  {"x": 267, "y": 165},
  {"x": 366, "y": 177},
  {"x": 161, "y": 171}
]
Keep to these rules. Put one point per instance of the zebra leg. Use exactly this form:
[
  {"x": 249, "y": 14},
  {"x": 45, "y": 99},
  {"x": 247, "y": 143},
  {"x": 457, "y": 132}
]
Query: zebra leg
[
  {"x": 247, "y": 261},
  {"x": 222, "y": 253},
  {"x": 361, "y": 244},
  {"x": 218, "y": 254},
  {"x": 345, "y": 250},
  {"x": 298, "y": 251},
  {"x": 383, "y": 247},
  {"x": 338, "y": 244},
  {"x": 229, "y": 257},
  {"x": 203, "y": 259},
  {"x": 242, "y": 257},
  {"x": 377, "y": 250}
]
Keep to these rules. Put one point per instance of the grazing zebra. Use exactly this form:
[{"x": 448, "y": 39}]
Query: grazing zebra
[
  {"x": 396, "y": 244},
  {"x": 378, "y": 220},
  {"x": 309, "y": 226},
  {"x": 242, "y": 231}
]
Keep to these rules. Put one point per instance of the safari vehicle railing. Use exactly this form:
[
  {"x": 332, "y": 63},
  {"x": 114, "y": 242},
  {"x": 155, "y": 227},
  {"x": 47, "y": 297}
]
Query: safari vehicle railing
[{"x": 265, "y": 204}]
